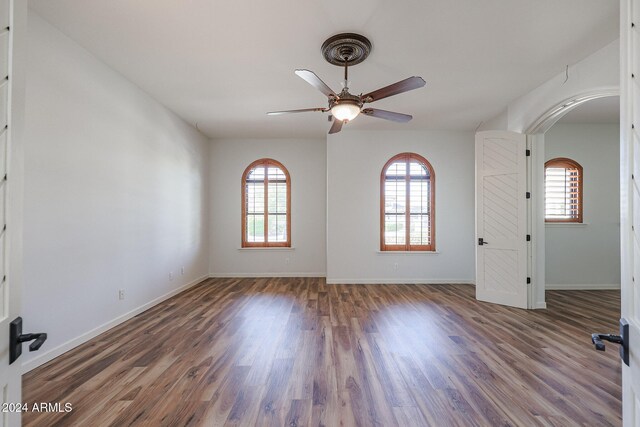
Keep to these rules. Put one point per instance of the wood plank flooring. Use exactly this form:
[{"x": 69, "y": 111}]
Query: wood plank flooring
[{"x": 298, "y": 352}]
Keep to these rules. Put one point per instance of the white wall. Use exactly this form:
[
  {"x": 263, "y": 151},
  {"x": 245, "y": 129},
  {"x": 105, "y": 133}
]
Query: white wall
[
  {"x": 354, "y": 163},
  {"x": 587, "y": 256},
  {"x": 499, "y": 122},
  {"x": 114, "y": 189},
  {"x": 305, "y": 159},
  {"x": 597, "y": 73}
]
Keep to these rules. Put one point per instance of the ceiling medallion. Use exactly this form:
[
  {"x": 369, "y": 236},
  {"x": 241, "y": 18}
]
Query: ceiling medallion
[{"x": 349, "y": 47}]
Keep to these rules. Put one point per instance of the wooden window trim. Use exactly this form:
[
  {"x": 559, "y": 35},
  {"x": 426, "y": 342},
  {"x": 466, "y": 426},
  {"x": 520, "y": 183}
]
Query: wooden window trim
[
  {"x": 408, "y": 157},
  {"x": 566, "y": 163},
  {"x": 265, "y": 163}
]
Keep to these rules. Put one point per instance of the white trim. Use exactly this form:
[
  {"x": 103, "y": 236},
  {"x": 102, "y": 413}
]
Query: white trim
[
  {"x": 585, "y": 287},
  {"x": 74, "y": 342},
  {"x": 270, "y": 274},
  {"x": 267, "y": 248},
  {"x": 547, "y": 119},
  {"x": 532, "y": 225},
  {"x": 565, "y": 224},
  {"x": 407, "y": 252},
  {"x": 540, "y": 305},
  {"x": 399, "y": 281}
]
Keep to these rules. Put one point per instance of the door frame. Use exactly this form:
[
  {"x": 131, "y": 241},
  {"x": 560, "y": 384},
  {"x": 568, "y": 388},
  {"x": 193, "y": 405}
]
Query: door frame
[
  {"x": 535, "y": 132},
  {"x": 14, "y": 187}
]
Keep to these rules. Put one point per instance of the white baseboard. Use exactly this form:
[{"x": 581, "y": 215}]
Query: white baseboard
[
  {"x": 72, "y": 343},
  {"x": 587, "y": 287},
  {"x": 540, "y": 305},
  {"x": 398, "y": 281},
  {"x": 280, "y": 274}
]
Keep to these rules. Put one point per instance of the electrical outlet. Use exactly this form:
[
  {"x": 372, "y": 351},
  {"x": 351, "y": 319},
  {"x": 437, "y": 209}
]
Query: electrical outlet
[
  {"x": 395, "y": 266},
  {"x": 171, "y": 275},
  {"x": 182, "y": 271},
  {"x": 121, "y": 294}
]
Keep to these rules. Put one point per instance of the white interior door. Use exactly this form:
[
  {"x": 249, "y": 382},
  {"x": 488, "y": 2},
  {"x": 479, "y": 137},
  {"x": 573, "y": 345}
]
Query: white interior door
[
  {"x": 630, "y": 203},
  {"x": 501, "y": 221},
  {"x": 12, "y": 22}
]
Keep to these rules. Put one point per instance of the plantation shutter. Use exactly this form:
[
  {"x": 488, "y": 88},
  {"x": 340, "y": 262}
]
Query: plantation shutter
[
  {"x": 266, "y": 195},
  {"x": 407, "y": 210},
  {"x": 563, "y": 191}
]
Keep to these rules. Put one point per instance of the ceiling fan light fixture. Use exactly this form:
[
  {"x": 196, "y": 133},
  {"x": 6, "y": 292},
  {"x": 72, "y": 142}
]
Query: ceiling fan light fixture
[{"x": 345, "y": 110}]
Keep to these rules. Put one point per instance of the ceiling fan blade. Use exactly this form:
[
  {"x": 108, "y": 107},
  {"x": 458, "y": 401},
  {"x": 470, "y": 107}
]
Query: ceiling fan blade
[
  {"x": 387, "y": 115},
  {"x": 394, "y": 89},
  {"x": 315, "y": 81},
  {"x": 304, "y": 110},
  {"x": 336, "y": 126}
]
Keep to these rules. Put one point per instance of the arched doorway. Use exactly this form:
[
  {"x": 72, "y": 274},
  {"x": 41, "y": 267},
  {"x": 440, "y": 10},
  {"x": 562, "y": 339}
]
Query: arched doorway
[{"x": 536, "y": 131}]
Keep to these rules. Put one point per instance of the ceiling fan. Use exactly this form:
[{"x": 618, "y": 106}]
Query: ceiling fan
[{"x": 344, "y": 50}]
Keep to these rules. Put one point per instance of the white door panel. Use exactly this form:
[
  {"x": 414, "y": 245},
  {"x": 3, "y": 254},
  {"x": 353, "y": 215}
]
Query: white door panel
[
  {"x": 4, "y": 52},
  {"x": 4, "y": 13},
  {"x": 4, "y": 105},
  {"x": 501, "y": 179},
  {"x": 3, "y": 152},
  {"x": 630, "y": 204},
  {"x": 12, "y": 29}
]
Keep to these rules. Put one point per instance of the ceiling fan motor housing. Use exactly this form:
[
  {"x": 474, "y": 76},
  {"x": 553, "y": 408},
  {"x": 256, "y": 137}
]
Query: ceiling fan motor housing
[{"x": 345, "y": 98}]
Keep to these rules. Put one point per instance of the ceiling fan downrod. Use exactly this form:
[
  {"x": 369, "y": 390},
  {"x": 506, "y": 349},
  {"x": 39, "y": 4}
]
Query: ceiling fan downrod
[{"x": 346, "y": 74}]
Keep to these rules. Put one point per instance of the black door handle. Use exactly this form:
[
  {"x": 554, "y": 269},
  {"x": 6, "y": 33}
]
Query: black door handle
[
  {"x": 35, "y": 345},
  {"x": 598, "y": 338},
  {"x": 16, "y": 338},
  {"x": 622, "y": 339},
  {"x": 482, "y": 242}
]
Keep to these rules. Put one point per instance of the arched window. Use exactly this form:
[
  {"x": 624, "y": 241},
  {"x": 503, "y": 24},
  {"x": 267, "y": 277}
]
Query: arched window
[
  {"x": 562, "y": 190},
  {"x": 407, "y": 206},
  {"x": 266, "y": 205}
]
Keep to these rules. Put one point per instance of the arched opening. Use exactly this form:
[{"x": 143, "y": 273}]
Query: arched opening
[{"x": 579, "y": 254}]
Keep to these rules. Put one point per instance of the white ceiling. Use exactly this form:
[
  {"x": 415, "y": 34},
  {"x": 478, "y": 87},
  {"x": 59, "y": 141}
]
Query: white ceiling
[
  {"x": 601, "y": 110},
  {"x": 223, "y": 64}
]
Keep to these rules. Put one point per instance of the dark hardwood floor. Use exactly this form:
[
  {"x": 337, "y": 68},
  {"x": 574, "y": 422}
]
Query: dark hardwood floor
[{"x": 298, "y": 352}]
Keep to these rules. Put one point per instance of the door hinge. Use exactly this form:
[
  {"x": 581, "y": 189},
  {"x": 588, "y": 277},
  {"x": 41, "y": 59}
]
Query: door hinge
[
  {"x": 528, "y": 152},
  {"x": 528, "y": 195},
  {"x": 528, "y": 237},
  {"x": 528, "y": 280}
]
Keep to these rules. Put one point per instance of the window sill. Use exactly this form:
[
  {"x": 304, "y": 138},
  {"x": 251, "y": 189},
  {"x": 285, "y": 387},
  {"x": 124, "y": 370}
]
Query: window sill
[
  {"x": 565, "y": 224},
  {"x": 407, "y": 252},
  {"x": 267, "y": 248}
]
